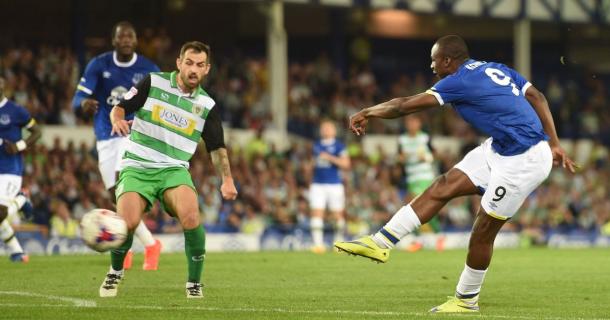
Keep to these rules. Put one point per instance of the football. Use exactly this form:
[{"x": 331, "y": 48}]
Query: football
[{"x": 103, "y": 230}]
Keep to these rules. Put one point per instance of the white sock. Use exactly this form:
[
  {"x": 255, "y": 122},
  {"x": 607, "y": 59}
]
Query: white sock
[
  {"x": 316, "y": 225},
  {"x": 339, "y": 230},
  {"x": 20, "y": 201},
  {"x": 144, "y": 235},
  {"x": 6, "y": 233},
  {"x": 190, "y": 284},
  {"x": 470, "y": 282},
  {"x": 117, "y": 272},
  {"x": 402, "y": 223}
]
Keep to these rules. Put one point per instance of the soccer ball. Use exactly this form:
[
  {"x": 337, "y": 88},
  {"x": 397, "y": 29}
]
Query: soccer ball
[{"x": 103, "y": 230}]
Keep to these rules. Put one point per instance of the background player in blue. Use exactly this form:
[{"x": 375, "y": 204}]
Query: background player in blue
[
  {"x": 326, "y": 190},
  {"x": 106, "y": 79},
  {"x": 13, "y": 118},
  {"x": 505, "y": 169}
]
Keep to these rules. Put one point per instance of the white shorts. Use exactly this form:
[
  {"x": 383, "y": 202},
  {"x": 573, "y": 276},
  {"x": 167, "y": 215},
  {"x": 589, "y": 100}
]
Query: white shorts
[
  {"x": 506, "y": 180},
  {"x": 110, "y": 152},
  {"x": 10, "y": 185},
  {"x": 322, "y": 195}
]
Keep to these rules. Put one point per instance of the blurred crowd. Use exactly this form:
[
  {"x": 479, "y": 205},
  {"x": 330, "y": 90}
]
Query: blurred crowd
[{"x": 64, "y": 182}]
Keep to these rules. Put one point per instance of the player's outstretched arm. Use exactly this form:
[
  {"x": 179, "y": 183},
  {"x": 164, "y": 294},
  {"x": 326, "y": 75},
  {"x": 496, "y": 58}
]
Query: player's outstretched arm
[
  {"x": 541, "y": 106},
  {"x": 394, "y": 108},
  {"x": 220, "y": 159}
]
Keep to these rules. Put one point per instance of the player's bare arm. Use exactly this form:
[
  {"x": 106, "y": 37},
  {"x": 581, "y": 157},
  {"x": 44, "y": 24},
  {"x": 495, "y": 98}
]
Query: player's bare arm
[
  {"x": 541, "y": 106},
  {"x": 119, "y": 125},
  {"x": 343, "y": 162},
  {"x": 21, "y": 145},
  {"x": 220, "y": 159},
  {"x": 391, "y": 109}
]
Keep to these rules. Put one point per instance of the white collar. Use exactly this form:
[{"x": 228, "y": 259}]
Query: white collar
[
  {"x": 124, "y": 64},
  {"x": 3, "y": 102},
  {"x": 327, "y": 141}
]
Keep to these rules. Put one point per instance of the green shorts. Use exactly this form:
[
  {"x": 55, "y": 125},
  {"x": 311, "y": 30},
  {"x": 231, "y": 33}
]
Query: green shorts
[{"x": 152, "y": 183}]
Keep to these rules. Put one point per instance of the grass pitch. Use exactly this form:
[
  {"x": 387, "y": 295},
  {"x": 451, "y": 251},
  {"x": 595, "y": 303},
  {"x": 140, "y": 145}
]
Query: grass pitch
[{"x": 521, "y": 284}]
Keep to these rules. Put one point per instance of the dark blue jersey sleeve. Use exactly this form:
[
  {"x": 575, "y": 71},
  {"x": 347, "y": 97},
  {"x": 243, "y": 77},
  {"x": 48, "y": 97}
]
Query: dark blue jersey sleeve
[
  {"x": 87, "y": 83},
  {"x": 448, "y": 90},
  {"x": 519, "y": 80}
]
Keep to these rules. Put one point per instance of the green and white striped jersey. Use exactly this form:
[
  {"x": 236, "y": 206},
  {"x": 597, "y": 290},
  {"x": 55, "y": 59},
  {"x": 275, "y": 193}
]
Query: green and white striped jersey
[
  {"x": 168, "y": 123},
  {"x": 418, "y": 156}
]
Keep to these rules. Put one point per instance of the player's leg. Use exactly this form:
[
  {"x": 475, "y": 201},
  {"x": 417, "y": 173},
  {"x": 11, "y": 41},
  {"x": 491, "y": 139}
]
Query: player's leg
[
  {"x": 336, "y": 204},
  {"x": 317, "y": 205},
  {"x": 512, "y": 180},
  {"x": 130, "y": 206},
  {"x": 11, "y": 202},
  {"x": 181, "y": 201},
  {"x": 464, "y": 179}
]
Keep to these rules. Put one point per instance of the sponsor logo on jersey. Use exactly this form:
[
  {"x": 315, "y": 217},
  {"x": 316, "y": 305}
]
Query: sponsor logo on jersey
[
  {"x": 164, "y": 96},
  {"x": 116, "y": 95},
  {"x": 5, "y": 119},
  {"x": 106, "y": 74},
  {"x": 173, "y": 119}
]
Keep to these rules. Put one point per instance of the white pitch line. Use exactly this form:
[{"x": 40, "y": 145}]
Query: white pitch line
[
  {"x": 77, "y": 302},
  {"x": 292, "y": 311}
]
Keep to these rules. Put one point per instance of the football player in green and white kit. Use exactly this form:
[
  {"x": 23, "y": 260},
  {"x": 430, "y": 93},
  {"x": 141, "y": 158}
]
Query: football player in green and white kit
[{"x": 172, "y": 114}]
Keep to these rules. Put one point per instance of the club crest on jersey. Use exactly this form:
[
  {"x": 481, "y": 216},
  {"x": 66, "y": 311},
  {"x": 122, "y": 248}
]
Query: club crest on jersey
[
  {"x": 5, "y": 119},
  {"x": 197, "y": 109},
  {"x": 137, "y": 77}
]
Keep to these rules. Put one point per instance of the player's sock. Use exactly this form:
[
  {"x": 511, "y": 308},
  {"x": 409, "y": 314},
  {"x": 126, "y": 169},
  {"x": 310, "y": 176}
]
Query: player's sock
[
  {"x": 194, "y": 247},
  {"x": 401, "y": 224},
  {"x": 117, "y": 272},
  {"x": 470, "y": 283},
  {"x": 8, "y": 236},
  {"x": 339, "y": 230},
  {"x": 144, "y": 235},
  {"x": 118, "y": 255},
  {"x": 316, "y": 225}
]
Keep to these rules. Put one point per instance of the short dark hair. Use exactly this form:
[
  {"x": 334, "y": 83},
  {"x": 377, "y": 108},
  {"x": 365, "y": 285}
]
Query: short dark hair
[
  {"x": 454, "y": 47},
  {"x": 122, "y": 24},
  {"x": 198, "y": 47}
]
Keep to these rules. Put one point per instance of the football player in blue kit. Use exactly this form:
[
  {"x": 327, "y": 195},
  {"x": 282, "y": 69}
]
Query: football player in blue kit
[
  {"x": 13, "y": 118},
  {"x": 106, "y": 79},
  {"x": 504, "y": 169},
  {"x": 326, "y": 190}
]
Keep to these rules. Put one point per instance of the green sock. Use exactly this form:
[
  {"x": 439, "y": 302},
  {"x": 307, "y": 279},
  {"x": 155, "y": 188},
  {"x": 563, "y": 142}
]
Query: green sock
[
  {"x": 118, "y": 255},
  {"x": 194, "y": 246}
]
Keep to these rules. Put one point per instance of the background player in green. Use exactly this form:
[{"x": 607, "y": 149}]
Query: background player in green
[
  {"x": 416, "y": 154},
  {"x": 172, "y": 114}
]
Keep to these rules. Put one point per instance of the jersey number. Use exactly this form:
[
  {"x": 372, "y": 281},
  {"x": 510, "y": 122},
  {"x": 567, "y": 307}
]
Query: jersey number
[
  {"x": 500, "y": 193},
  {"x": 500, "y": 78}
]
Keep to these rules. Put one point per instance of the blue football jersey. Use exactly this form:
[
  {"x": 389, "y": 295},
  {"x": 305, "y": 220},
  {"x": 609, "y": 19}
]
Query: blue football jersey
[
  {"x": 491, "y": 97},
  {"x": 13, "y": 118},
  {"x": 324, "y": 171},
  {"x": 107, "y": 80}
]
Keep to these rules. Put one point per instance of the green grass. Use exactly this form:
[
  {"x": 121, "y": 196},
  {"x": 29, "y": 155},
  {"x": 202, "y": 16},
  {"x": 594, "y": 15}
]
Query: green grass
[{"x": 521, "y": 284}]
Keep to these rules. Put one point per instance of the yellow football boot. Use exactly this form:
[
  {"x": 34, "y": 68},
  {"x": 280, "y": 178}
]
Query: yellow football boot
[
  {"x": 455, "y": 305},
  {"x": 364, "y": 247}
]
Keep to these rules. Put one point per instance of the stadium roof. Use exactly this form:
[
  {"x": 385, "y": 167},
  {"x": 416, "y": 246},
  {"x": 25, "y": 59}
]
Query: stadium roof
[{"x": 577, "y": 11}]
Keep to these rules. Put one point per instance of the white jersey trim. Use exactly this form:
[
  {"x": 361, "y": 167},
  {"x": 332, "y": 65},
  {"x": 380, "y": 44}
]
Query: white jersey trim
[
  {"x": 525, "y": 87},
  {"x": 124, "y": 64},
  {"x": 158, "y": 159},
  {"x": 437, "y": 96}
]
